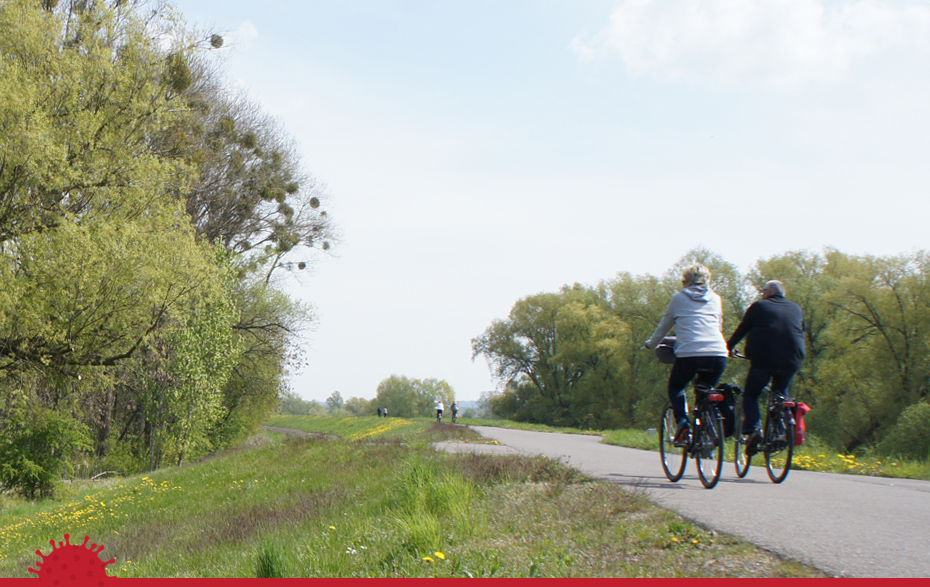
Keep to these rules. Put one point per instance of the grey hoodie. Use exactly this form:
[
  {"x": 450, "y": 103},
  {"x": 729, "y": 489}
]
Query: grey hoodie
[{"x": 697, "y": 315}]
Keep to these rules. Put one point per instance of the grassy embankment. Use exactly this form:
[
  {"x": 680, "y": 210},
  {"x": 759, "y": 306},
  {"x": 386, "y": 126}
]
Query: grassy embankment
[{"x": 377, "y": 503}]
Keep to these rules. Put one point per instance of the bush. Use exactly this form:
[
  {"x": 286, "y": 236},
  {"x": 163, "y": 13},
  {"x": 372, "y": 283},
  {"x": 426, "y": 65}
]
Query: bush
[
  {"x": 910, "y": 436},
  {"x": 37, "y": 452}
]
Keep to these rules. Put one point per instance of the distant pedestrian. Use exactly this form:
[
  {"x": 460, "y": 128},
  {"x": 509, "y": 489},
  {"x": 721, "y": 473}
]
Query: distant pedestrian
[
  {"x": 385, "y": 412},
  {"x": 380, "y": 412}
]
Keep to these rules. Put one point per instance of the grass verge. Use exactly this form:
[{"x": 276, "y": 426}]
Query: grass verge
[
  {"x": 813, "y": 455},
  {"x": 380, "y": 504}
]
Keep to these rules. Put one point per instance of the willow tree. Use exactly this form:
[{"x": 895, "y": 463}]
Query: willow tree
[{"x": 558, "y": 357}]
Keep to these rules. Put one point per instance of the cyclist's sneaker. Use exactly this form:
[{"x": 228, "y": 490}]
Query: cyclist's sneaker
[
  {"x": 683, "y": 435},
  {"x": 753, "y": 440}
]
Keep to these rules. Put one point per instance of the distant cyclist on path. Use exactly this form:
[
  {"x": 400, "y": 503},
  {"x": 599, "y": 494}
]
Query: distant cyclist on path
[{"x": 774, "y": 332}]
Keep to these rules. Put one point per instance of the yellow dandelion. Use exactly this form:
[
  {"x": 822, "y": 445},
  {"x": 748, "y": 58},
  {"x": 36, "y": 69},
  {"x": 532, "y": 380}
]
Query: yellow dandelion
[
  {"x": 674, "y": 539},
  {"x": 332, "y": 527},
  {"x": 695, "y": 541},
  {"x": 440, "y": 555},
  {"x": 428, "y": 559}
]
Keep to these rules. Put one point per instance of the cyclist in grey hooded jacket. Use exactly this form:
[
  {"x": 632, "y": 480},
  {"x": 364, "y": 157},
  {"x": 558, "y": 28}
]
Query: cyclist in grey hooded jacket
[{"x": 696, "y": 313}]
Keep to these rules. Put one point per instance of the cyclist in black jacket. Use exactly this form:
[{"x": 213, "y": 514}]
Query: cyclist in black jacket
[{"x": 774, "y": 332}]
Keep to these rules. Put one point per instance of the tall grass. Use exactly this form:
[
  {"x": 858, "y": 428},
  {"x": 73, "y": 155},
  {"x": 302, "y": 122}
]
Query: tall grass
[{"x": 306, "y": 507}]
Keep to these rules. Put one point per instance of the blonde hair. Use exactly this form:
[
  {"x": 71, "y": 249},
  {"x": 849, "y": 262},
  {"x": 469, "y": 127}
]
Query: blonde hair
[{"x": 696, "y": 274}]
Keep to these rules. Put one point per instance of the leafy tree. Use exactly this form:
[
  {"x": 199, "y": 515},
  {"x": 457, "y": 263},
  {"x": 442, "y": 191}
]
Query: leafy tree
[
  {"x": 357, "y": 406},
  {"x": 143, "y": 213},
  {"x": 334, "y": 401},
  {"x": 294, "y": 405},
  {"x": 398, "y": 395},
  {"x": 411, "y": 398},
  {"x": 640, "y": 302},
  {"x": 558, "y": 355}
]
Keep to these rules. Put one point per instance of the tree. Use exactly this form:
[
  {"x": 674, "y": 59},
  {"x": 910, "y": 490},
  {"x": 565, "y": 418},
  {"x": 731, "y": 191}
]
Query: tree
[
  {"x": 357, "y": 406},
  {"x": 640, "y": 302},
  {"x": 293, "y": 405},
  {"x": 398, "y": 395},
  {"x": 412, "y": 398},
  {"x": 879, "y": 362},
  {"x": 143, "y": 213},
  {"x": 558, "y": 355},
  {"x": 334, "y": 401}
]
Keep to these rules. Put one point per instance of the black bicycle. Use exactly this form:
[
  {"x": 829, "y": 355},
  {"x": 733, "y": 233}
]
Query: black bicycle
[
  {"x": 706, "y": 443},
  {"x": 777, "y": 438}
]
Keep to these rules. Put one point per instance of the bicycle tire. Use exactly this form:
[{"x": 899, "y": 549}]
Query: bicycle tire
[
  {"x": 674, "y": 458},
  {"x": 741, "y": 460},
  {"x": 778, "y": 445},
  {"x": 709, "y": 453}
]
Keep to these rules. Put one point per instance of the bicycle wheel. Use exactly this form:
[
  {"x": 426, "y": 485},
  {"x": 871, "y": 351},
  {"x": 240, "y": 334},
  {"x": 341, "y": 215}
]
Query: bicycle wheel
[
  {"x": 778, "y": 445},
  {"x": 674, "y": 458},
  {"x": 740, "y": 459},
  {"x": 709, "y": 453}
]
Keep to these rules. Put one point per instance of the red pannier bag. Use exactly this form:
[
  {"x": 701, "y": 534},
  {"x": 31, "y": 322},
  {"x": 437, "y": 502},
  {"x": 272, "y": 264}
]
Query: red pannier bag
[{"x": 800, "y": 408}]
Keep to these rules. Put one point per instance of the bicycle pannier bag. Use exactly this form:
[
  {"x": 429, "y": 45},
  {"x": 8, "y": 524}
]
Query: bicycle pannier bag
[
  {"x": 799, "y": 429},
  {"x": 728, "y": 407}
]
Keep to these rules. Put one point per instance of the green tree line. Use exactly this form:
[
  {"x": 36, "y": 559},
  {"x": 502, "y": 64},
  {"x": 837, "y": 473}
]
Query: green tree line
[
  {"x": 573, "y": 358},
  {"x": 399, "y": 395},
  {"x": 146, "y": 210}
]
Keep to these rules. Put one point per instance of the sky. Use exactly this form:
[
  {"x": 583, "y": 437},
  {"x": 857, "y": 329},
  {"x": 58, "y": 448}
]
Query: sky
[{"x": 476, "y": 152}]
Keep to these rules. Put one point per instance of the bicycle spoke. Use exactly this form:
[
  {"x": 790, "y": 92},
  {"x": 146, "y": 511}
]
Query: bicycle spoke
[
  {"x": 709, "y": 455},
  {"x": 779, "y": 444},
  {"x": 740, "y": 459},
  {"x": 674, "y": 458}
]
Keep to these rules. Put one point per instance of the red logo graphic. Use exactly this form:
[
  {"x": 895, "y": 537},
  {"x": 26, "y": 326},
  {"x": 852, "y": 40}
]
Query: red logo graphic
[{"x": 72, "y": 565}]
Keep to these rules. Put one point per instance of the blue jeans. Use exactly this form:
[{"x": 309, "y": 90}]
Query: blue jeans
[
  {"x": 708, "y": 371},
  {"x": 756, "y": 381}
]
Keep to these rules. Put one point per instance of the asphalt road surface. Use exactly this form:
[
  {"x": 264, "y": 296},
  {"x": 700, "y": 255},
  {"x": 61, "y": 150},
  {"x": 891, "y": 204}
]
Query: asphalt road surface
[{"x": 845, "y": 525}]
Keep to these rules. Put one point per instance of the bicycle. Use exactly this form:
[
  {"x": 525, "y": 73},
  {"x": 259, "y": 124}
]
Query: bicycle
[
  {"x": 706, "y": 443},
  {"x": 777, "y": 438},
  {"x": 455, "y": 416}
]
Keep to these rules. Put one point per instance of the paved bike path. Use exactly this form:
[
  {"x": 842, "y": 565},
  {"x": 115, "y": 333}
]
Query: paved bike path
[{"x": 845, "y": 525}]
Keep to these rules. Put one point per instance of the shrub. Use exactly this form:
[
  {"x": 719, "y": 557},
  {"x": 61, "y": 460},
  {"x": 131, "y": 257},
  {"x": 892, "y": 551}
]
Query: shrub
[
  {"x": 38, "y": 451},
  {"x": 910, "y": 436}
]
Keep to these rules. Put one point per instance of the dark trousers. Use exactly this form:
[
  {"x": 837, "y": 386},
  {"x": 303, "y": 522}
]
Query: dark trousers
[
  {"x": 708, "y": 371},
  {"x": 756, "y": 381}
]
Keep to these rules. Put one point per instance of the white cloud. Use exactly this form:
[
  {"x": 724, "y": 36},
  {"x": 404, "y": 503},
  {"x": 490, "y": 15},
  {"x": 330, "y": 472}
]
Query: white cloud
[
  {"x": 243, "y": 37},
  {"x": 783, "y": 44}
]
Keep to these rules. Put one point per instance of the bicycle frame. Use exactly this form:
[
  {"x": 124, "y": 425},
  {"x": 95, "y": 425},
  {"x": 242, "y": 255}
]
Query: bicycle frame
[
  {"x": 706, "y": 444},
  {"x": 777, "y": 438}
]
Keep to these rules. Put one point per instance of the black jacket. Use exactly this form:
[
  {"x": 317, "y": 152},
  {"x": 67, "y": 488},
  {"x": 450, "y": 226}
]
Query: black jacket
[{"x": 774, "y": 331}]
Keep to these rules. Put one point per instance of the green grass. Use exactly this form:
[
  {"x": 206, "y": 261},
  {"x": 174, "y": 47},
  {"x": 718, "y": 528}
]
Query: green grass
[
  {"x": 813, "y": 455},
  {"x": 378, "y": 503}
]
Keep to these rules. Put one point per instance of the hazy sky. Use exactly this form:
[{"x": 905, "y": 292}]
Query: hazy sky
[{"x": 480, "y": 151}]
